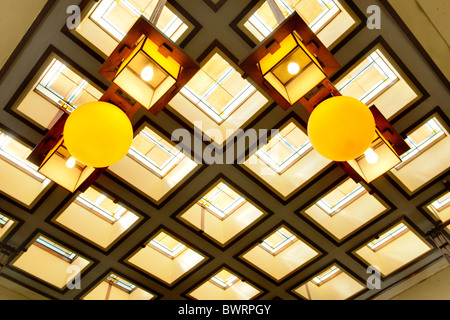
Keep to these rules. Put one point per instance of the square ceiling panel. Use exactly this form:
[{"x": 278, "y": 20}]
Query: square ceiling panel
[
  {"x": 332, "y": 283},
  {"x": 439, "y": 208},
  {"x": 393, "y": 249},
  {"x": 7, "y": 225},
  {"x": 105, "y": 23},
  {"x": 57, "y": 86},
  {"x": 115, "y": 287},
  {"x": 17, "y": 171},
  {"x": 224, "y": 284},
  {"x": 345, "y": 209},
  {"x": 97, "y": 217},
  {"x": 166, "y": 258},
  {"x": 221, "y": 213},
  {"x": 288, "y": 161},
  {"x": 331, "y": 20},
  {"x": 217, "y": 100},
  {"x": 154, "y": 165},
  {"x": 377, "y": 78},
  {"x": 281, "y": 253},
  {"x": 47, "y": 261},
  {"x": 426, "y": 159}
]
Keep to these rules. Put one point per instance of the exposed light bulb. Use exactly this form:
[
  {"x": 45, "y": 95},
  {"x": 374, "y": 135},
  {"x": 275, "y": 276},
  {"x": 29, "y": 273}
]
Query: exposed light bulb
[
  {"x": 293, "y": 68},
  {"x": 147, "y": 73},
  {"x": 71, "y": 163},
  {"x": 371, "y": 156}
]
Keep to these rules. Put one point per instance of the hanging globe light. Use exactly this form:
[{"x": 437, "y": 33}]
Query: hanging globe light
[
  {"x": 98, "y": 134},
  {"x": 341, "y": 128}
]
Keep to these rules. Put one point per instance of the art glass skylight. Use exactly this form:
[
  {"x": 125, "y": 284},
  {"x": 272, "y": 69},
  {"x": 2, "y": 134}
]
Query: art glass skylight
[
  {"x": 101, "y": 205},
  {"x": 369, "y": 79},
  {"x": 286, "y": 148},
  {"x": 118, "y": 16},
  {"x": 65, "y": 88},
  {"x": 278, "y": 241},
  {"x": 316, "y": 13},
  {"x": 222, "y": 201},
  {"x": 153, "y": 152},
  {"x": 16, "y": 154},
  {"x": 218, "y": 89},
  {"x": 167, "y": 245},
  {"x": 388, "y": 236},
  {"x": 341, "y": 197},
  {"x": 52, "y": 246}
]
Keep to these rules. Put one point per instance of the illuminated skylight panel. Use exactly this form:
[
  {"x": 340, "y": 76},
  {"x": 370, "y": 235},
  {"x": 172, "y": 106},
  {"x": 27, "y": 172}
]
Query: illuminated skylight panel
[
  {"x": 441, "y": 203},
  {"x": 65, "y": 88},
  {"x": 101, "y": 204},
  {"x": 287, "y": 147},
  {"x": 341, "y": 197},
  {"x": 222, "y": 201},
  {"x": 118, "y": 16},
  {"x": 218, "y": 89},
  {"x": 167, "y": 245},
  {"x": 16, "y": 154},
  {"x": 369, "y": 79},
  {"x": 120, "y": 283},
  {"x": 326, "y": 276},
  {"x": 50, "y": 245},
  {"x": 423, "y": 138},
  {"x": 388, "y": 236},
  {"x": 3, "y": 220},
  {"x": 224, "y": 279},
  {"x": 152, "y": 151},
  {"x": 316, "y": 13},
  {"x": 278, "y": 241}
]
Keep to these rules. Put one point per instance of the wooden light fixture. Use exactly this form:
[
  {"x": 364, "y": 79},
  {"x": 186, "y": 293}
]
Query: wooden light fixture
[
  {"x": 55, "y": 162},
  {"x": 149, "y": 67},
  {"x": 383, "y": 155},
  {"x": 290, "y": 63}
]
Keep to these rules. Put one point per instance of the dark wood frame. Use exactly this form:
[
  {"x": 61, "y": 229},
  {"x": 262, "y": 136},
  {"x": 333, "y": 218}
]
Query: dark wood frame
[
  {"x": 312, "y": 43},
  {"x": 388, "y": 134},
  {"x": 144, "y": 28}
]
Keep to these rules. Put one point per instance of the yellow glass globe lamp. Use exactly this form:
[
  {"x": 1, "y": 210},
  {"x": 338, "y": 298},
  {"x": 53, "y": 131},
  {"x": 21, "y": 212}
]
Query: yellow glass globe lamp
[
  {"x": 341, "y": 128},
  {"x": 98, "y": 134}
]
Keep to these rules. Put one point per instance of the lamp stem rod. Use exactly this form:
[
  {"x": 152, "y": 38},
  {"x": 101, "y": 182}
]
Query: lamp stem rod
[
  {"x": 276, "y": 11},
  {"x": 157, "y": 12}
]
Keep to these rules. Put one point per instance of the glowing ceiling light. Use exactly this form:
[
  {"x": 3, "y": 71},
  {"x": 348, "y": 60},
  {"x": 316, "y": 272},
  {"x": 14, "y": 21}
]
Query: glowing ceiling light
[
  {"x": 293, "y": 68},
  {"x": 71, "y": 163},
  {"x": 371, "y": 156},
  {"x": 147, "y": 73}
]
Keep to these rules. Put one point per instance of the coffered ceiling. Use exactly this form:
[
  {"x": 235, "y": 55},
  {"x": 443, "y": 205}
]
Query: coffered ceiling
[{"x": 290, "y": 225}]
